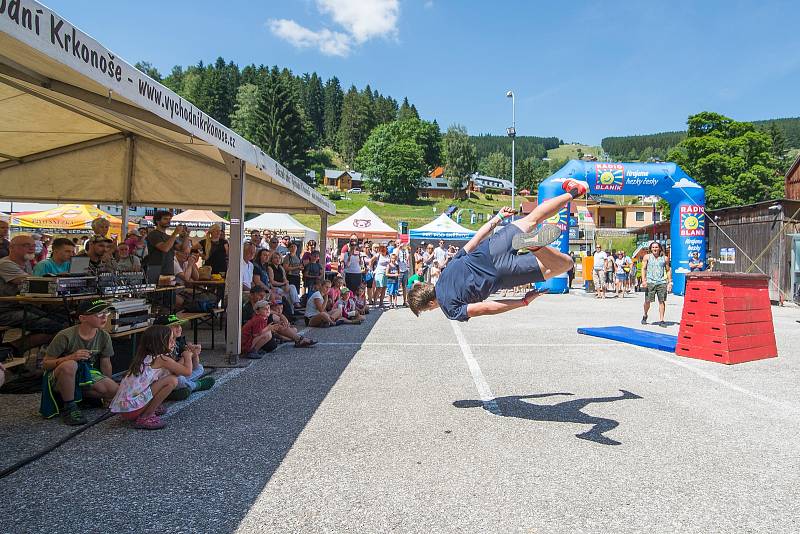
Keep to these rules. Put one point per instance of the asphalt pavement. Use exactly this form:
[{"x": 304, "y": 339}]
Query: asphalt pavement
[{"x": 511, "y": 423}]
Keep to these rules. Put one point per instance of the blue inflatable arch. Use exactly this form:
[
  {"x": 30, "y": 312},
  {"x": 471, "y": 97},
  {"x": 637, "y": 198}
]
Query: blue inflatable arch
[{"x": 685, "y": 196}]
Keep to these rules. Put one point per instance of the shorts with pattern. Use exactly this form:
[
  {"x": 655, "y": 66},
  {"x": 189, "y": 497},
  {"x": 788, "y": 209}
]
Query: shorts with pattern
[{"x": 652, "y": 291}]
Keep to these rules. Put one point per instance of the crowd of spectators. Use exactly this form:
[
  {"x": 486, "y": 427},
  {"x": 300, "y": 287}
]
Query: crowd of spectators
[{"x": 285, "y": 287}]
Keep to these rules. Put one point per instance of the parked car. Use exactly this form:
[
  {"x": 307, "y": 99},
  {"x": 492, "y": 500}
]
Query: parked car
[{"x": 354, "y": 190}]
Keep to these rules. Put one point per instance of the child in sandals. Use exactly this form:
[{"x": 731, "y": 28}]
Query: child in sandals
[{"x": 152, "y": 376}]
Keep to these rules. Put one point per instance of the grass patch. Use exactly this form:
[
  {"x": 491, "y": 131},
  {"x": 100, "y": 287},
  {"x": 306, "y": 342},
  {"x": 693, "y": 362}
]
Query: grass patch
[{"x": 571, "y": 151}]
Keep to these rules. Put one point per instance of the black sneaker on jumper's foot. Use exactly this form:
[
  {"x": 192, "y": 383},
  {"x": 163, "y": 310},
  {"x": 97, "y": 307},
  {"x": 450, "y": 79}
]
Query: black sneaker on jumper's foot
[
  {"x": 541, "y": 237},
  {"x": 644, "y": 319}
]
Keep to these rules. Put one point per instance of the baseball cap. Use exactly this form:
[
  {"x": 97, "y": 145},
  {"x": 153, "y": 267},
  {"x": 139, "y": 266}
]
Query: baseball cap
[
  {"x": 93, "y": 307},
  {"x": 168, "y": 320},
  {"x": 261, "y": 304}
]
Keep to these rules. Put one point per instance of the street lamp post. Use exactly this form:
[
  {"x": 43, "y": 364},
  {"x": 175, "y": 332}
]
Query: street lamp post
[{"x": 512, "y": 133}]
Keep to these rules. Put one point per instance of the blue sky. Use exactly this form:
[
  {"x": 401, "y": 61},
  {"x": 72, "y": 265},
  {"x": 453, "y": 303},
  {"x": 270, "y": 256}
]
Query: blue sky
[{"x": 581, "y": 71}]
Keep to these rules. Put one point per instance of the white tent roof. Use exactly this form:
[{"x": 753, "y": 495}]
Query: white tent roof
[
  {"x": 81, "y": 124},
  {"x": 281, "y": 223},
  {"x": 363, "y": 223},
  {"x": 442, "y": 227}
]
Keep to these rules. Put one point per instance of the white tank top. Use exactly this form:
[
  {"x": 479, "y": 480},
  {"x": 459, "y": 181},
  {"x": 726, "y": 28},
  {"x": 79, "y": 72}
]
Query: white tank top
[{"x": 382, "y": 264}]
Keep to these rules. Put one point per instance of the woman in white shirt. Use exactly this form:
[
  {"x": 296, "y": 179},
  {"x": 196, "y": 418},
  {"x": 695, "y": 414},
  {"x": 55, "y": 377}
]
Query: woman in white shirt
[{"x": 379, "y": 264}]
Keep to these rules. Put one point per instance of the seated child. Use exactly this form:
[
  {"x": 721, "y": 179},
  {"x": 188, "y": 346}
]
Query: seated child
[
  {"x": 285, "y": 331},
  {"x": 257, "y": 338},
  {"x": 195, "y": 381},
  {"x": 362, "y": 304},
  {"x": 152, "y": 376},
  {"x": 349, "y": 308},
  {"x": 77, "y": 364}
]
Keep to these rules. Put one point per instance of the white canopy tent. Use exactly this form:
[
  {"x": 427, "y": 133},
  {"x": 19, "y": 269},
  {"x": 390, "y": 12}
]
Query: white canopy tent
[
  {"x": 77, "y": 123},
  {"x": 442, "y": 227},
  {"x": 283, "y": 224},
  {"x": 365, "y": 224}
]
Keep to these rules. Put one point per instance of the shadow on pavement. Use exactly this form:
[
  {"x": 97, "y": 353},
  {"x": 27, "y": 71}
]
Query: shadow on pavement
[
  {"x": 564, "y": 412},
  {"x": 204, "y": 471}
]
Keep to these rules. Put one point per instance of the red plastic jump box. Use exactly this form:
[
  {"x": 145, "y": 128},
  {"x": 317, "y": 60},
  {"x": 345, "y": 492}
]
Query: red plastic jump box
[{"x": 727, "y": 318}]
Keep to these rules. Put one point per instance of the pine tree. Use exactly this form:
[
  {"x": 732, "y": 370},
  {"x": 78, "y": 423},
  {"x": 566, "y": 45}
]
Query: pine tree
[
  {"x": 356, "y": 123},
  {"x": 149, "y": 69},
  {"x": 315, "y": 106},
  {"x": 332, "y": 112},
  {"x": 220, "y": 84},
  {"x": 280, "y": 130},
  {"x": 407, "y": 111},
  {"x": 385, "y": 109},
  {"x": 243, "y": 119}
]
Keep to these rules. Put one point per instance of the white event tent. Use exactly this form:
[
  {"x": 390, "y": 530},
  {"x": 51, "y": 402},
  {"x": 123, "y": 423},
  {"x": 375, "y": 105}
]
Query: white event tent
[
  {"x": 282, "y": 223},
  {"x": 442, "y": 227},
  {"x": 365, "y": 224},
  {"x": 80, "y": 124}
]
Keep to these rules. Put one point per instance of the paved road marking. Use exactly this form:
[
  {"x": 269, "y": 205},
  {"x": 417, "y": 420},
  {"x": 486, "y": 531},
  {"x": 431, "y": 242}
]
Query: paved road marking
[
  {"x": 477, "y": 376},
  {"x": 717, "y": 380}
]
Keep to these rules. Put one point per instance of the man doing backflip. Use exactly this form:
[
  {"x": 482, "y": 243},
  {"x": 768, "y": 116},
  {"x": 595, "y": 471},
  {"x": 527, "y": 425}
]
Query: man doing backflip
[{"x": 484, "y": 266}]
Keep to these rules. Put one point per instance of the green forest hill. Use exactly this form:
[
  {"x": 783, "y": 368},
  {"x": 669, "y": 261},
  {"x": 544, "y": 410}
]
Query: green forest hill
[{"x": 658, "y": 145}]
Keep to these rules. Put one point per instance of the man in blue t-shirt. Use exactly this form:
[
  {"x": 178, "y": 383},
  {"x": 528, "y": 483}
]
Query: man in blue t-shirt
[
  {"x": 484, "y": 266},
  {"x": 59, "y": 263}
]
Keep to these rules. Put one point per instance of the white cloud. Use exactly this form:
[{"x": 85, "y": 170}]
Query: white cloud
[
  {"x": 685, "y": 183},
  {"x": 328, "y": 42},
  {"x": 361, "y": 21}
]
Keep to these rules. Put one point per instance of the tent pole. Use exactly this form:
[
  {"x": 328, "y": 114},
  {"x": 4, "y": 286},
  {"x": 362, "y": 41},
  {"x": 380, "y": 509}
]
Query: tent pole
[
  {"x": 126, "y": 193},
  {"x": 233, "y": 345},
  {"x": 323, "y": 240}
]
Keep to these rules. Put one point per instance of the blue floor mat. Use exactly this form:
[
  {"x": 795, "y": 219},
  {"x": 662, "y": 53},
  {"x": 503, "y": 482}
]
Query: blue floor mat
[{"x": 634, "y": 336}]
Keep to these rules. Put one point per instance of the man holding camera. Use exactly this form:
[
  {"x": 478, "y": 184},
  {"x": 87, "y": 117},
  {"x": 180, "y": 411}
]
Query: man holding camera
[{"x": 160, "y": 245}]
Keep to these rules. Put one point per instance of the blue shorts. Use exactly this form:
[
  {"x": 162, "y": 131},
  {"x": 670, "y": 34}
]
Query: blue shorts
[
  {"x": 391, "y": 287},
  {"x": 513, "y": 270}
]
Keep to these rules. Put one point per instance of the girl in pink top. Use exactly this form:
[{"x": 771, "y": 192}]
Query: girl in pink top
[{"x": 152, "y": 376}]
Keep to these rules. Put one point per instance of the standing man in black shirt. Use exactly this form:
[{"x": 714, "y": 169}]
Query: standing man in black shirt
[{"x": 160, "y": 244}]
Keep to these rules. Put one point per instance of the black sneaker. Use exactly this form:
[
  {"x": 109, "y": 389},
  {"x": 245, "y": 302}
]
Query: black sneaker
[
  {"x": 540, "y": 237},
  {"x": 253, "y": 355},
  {"x": 74, "y": 417},
  {"x": 644, "y": 319}
]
